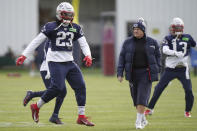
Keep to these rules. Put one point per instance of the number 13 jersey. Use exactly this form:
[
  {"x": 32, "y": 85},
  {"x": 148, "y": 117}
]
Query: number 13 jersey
[{"x": 181, "y": 44}]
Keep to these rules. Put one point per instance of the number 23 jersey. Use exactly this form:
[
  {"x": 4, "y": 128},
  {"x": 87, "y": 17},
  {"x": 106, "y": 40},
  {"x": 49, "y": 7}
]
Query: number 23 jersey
[{"x": 61, "y": 40}]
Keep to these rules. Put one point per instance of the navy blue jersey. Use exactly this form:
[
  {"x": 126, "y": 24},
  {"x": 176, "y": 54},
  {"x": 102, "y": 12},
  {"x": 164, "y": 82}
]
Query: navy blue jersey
[
  {"x": 62, "y": 37},
  {"x": 183, "y": 43}
]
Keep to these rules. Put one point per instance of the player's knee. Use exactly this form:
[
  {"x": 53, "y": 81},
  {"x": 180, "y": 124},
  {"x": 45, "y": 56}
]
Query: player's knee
[
  {"x": 189, "y": 92},
  {"x": 80, "y": 86},
  {"x": 63, "y": 93},
  {"x": 83, "y": 89}
]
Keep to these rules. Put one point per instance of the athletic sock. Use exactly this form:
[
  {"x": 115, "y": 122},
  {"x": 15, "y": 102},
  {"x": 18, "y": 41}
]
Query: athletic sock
[
  {"x": 143, "y": 117},
  {"x": 81, "y": 110},
  {"x": 139, "y": 117},
  {"x": 40, "y": 103}
]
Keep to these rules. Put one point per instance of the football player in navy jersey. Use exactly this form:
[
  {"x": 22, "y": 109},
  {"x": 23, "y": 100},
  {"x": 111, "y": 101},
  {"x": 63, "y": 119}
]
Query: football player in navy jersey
[
  {"x": 177, "y": 47},
  {"x": 61, "y": 34},
  {"x": 44, "y": 72}
]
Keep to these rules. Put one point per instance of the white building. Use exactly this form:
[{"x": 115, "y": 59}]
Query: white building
[
  {"x": 19, "y": 24},
  {"x": 158, "y": 15},
  {"x": 20, "y": 19}
]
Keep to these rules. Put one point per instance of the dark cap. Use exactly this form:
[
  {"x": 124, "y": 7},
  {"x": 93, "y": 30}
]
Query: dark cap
[{"x": 140, "y": 24}]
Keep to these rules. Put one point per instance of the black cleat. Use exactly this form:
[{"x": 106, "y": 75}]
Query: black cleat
[
  {"x": 27, "y": 98},
  {"x": 55, "y": 120}
]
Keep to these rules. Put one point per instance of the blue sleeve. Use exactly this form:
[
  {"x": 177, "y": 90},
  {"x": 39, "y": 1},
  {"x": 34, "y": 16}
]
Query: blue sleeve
[
  {"x": 192, "y": 41},
  {"x": 47, "y": 29},
  {"x": 79, "y": 33},
  {"x": 165, "y": 41}
]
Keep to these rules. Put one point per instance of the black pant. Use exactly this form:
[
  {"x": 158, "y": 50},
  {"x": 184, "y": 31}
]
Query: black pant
[{"x": 168, "y": 75}]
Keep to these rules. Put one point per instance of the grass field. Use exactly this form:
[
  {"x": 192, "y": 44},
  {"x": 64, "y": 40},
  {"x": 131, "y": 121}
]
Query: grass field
[{"x": 108, "y": 103}]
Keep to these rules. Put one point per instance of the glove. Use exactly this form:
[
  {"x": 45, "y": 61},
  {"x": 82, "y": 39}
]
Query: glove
[
  {"x": 48, "y": 75},
  {"x": 20, "y": 60},
  {"x": 88, "y": 61},
  {"x": 179, "y": 54}
]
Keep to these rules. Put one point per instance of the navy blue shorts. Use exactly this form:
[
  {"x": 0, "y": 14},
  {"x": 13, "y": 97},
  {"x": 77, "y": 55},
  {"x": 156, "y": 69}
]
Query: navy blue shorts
[{"x": 140, "y": 87}]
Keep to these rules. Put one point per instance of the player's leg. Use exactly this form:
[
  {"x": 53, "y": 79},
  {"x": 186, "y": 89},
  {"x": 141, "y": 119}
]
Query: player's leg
[
  {"x": 76, "y": 81},
  {"x": 57, "y": 73},
  {"x": 166, "y": 77},
  {"x": 143, "y": 94},
  {"x": 59, "y": 100},
  {"x": 133, "y": 91},
  {"x": 58, "y": 103},
  {"x": 32, "y": 94},
  {"x": 187, "y": 85}
]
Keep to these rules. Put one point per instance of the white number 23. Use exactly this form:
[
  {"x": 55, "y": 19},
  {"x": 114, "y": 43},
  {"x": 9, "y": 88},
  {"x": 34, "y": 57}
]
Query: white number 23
[{"x": 62, "y": 36}]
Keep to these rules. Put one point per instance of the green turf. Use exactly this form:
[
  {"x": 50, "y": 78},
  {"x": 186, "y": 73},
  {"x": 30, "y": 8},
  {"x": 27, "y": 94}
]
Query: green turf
[{"x": 108, "y": 103}]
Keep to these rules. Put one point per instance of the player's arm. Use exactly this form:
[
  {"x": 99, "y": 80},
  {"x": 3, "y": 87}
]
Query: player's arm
[
  {"x": 166, "y": 50},
  {"x": 40, "y": 38},
  {"x": 86, "y": 51},
  {"x": 193, "y": 42},
  {"x": 121, "y": 63},
  {"x": 170, "y": 52},
  {"x": 84, "y": 46}
]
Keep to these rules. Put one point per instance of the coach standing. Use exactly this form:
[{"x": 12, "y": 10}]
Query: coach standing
[{"x": 140, "y": 59}]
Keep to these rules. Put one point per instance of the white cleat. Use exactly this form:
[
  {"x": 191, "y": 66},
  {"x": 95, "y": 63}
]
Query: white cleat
[
  {"x": 144, "y": 123},
  {"x": 138, "y": 125}
]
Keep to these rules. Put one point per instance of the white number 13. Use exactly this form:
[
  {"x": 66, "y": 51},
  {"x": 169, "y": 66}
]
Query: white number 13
[
  {"x": 180, "y": 43},
  {"x": 184, "y": 47}
]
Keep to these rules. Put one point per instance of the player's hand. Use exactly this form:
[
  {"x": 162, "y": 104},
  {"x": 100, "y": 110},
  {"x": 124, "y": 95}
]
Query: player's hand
[
  {"x": 20, "y": 60},
  {"x": 88, "y": 61},
  {"x": 48, "y": 75},
  {"x": 120, "y": 78},
  {"x": 179, "y": 54}
]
